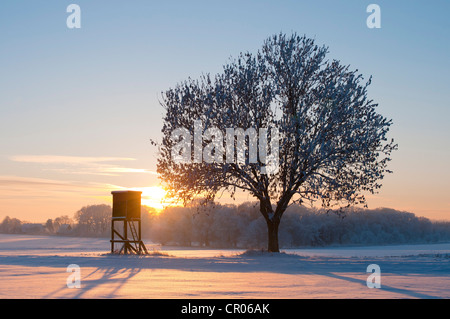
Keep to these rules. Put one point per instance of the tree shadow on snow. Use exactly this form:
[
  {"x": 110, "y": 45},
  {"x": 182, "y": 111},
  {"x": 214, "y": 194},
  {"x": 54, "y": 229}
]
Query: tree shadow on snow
[{"x": 116, "y": 270}]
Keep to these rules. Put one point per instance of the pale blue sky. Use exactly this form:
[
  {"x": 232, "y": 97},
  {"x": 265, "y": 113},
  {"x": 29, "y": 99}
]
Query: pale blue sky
[{"x": 93, "y": 92}]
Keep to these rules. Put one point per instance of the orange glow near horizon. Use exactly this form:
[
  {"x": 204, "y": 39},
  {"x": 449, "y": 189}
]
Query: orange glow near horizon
[{"x": 152, "y": 196}]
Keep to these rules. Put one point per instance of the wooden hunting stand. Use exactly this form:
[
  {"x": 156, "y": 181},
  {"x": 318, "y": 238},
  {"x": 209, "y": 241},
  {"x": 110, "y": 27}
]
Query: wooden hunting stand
[{"x": 127, "y": 210}]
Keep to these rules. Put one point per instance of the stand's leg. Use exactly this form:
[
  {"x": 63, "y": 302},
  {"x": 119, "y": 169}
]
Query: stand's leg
[
  {"x": 140, "y": 240},
  {"x": 125, "y": 235},
  {"x": 112, "y": 236}
]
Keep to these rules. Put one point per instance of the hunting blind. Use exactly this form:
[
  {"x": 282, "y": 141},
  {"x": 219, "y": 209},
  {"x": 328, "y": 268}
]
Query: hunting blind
[{"x": 127, "y": 211}]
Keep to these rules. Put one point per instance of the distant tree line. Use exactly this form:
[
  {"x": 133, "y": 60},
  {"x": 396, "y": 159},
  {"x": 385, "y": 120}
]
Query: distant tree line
[
  {"x": 91, "y": 220},
  {"x": 242, "y": 226}
]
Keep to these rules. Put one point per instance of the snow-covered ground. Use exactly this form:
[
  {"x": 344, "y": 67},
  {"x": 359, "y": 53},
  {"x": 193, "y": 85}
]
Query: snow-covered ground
[{"x": 36, "y": 267}]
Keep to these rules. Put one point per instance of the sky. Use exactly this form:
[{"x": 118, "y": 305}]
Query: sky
[{"x": 78, "y": 106}]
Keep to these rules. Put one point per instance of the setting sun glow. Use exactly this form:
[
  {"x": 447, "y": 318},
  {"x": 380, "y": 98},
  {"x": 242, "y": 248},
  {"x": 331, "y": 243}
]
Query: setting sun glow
[{"x": 152, "y": 196}]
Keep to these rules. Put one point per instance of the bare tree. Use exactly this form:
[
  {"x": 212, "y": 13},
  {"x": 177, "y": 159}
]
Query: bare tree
[{"x": 332, "y": 144}]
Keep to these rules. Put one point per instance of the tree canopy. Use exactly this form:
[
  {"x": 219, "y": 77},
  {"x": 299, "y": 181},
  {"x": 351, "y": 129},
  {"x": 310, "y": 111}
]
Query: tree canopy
[{"x": 331, "y": 144}]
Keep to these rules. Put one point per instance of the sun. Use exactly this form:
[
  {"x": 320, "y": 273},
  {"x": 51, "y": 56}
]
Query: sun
[{"x": 152, "y": 196}]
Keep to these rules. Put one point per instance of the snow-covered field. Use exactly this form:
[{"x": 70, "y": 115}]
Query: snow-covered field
[{"x": 36, "y": 267}]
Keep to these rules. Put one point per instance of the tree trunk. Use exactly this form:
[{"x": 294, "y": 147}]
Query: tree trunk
[
  {"x": 273, "y": 221},
  {"x": 272, "y": 228}
]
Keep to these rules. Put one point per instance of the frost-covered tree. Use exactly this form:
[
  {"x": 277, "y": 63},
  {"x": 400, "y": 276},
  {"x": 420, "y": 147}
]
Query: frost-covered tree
[
  {"x": 332, "y": 144},
  {"x": 94, "y": 219},
  {"x": 11, "y": 225},
  {"x": 49, "y": 226}
]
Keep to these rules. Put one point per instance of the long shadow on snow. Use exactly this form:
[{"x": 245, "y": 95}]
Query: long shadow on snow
[{"x": 335, "y": 267}]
